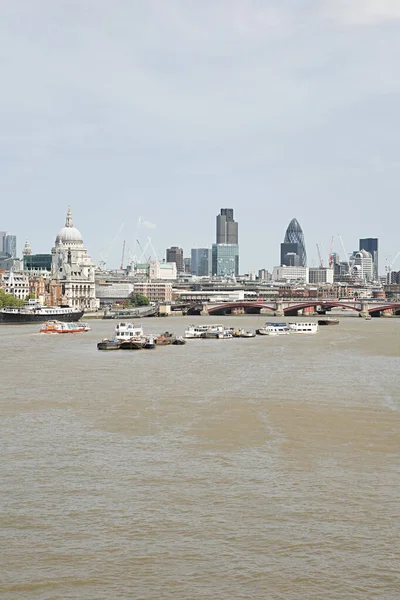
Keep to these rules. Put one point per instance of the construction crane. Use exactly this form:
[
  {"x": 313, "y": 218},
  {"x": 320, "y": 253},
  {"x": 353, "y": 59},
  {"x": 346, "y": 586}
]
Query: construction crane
[
  {"x": 104, "y": 255},
  {"x": 149, "y": 243},
  {"x": 143, "y": 250},
  {"x": 321, "y": 262},
  {"x": 346, "y": 256},
  {"x": 389, "y": 267},
  {"x": 123, "y": 256}
]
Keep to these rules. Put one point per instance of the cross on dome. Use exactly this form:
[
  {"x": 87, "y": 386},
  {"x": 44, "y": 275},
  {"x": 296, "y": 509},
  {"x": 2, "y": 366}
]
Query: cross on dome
[{"x": 68, "y": 220}]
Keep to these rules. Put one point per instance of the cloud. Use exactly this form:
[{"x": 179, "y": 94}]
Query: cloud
[
  {"x": 146, "y": 224},
  {"x": 361, "y": 12}
]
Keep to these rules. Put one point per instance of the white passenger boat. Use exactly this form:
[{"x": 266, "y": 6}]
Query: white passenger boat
[
  {"x": 125, "y": 331},
  {"x": 200, "y": 331},
  {"x": 300, "y": 327},
  {"x": 274, "y": 329},
  {"x": 62, "y": 327}
]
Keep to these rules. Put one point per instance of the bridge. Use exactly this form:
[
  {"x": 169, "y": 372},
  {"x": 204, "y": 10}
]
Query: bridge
[{"x": 290, "y": 308}]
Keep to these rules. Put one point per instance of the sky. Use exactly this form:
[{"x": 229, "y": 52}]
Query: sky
[{"x": 148, "y": 116}]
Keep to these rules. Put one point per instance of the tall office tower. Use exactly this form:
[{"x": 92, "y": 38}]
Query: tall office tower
[
  {"x": 294, "y": 244},
  {"x": 227, "y": 228},
  {"x": 371, "y": 246},
  {"x": 2, "y": 236},
  {"x": 175, "y": 254},
  {"x": 10, "y": 245},
  {"x": 225, "y": 260},
  {"x": 201, "y": 263},
  {"x": 225, "y": 253}
]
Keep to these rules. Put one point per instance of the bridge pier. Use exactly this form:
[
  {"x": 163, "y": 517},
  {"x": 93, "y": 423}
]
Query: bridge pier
[
  {"x": 279, "y": 310},
  {"x": 237, "y": 311},
  {"x": 387, "y": 313},
  {"x": 364, "y": 309},
  {"x": 204, "y": 311}
]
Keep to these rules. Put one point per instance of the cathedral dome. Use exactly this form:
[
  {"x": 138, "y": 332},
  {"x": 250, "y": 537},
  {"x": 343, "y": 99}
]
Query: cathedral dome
[{"x": 69, "y": 234}]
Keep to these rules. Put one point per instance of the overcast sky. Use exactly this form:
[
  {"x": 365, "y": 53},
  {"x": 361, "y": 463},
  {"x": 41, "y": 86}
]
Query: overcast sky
[{"x": 168, "y": 110}]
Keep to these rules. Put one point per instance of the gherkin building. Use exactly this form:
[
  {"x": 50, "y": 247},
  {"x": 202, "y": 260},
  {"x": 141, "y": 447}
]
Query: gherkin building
[{"x": 294, "y": 235}]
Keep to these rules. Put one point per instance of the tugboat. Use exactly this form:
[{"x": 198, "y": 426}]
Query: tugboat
[
  {"x": 150, "y": 343},
  {"x": 126, "y": 331}
]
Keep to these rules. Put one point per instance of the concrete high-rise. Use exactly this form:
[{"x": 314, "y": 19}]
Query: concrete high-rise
[
  {"x": 227, "y": 227},
  {"x": 371, "y": 246},
  {"x": 175, "y": 254},
  {"x": 294, "y": 244}
]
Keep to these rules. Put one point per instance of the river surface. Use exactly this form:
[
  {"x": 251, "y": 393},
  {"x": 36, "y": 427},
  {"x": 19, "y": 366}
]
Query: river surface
[{"x": 263, "y": 468}]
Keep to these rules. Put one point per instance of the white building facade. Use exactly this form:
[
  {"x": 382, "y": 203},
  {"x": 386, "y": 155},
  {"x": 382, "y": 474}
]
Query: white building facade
[
  {"x": 16, "y": 284},
  {"x": 290, "y": 273},
  {"x": 157, "y": 270},
  {"x": 73, "y": 268},
  {"x": 363, "y": 265}
]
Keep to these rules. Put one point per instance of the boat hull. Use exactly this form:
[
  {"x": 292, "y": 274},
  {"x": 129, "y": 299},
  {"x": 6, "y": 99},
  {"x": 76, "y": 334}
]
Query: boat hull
[
  {"x": 179, "y": 342},
  {"x": 108, "y": 345},
  {"x": 23, "y": 318},
  {"x": 132, "y": 345}
]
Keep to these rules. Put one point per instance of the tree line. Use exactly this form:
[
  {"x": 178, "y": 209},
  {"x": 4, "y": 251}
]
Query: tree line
[{"x": 9, "y": 300}]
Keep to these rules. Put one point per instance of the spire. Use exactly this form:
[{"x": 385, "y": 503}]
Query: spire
[{"x": 68, "y": 220}]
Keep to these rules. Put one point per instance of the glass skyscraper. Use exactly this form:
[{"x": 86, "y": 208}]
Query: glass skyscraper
[
  {"x": 225, "y": 260},
  {"x": 201, "y": 263},
  {"x": 294, "y": 244},
  {"x": 371, "y": 246},
  {"x": 225, "y": 253}
]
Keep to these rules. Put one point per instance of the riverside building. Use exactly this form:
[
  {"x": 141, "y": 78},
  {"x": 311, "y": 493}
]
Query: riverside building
[{"x": 72, "y": 271}]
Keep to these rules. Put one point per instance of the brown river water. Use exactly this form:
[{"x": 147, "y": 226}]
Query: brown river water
[{"x": 263, "y": 468}]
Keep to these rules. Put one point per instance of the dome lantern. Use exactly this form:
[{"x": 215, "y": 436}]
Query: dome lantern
[{"x": 69, "y": 234}]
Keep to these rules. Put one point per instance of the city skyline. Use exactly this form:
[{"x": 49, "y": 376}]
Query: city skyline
[
  {"x": 161, "y": 255},
  {"x": 309, "y": 128}
]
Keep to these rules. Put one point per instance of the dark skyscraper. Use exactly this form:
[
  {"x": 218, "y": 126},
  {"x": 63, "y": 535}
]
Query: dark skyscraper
[
  {"x": 294, "y": 244},
  {"x": 175, "y": 254},
  {"x": 371, "y": 246},
  {"x": 227, "y": 228}
]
